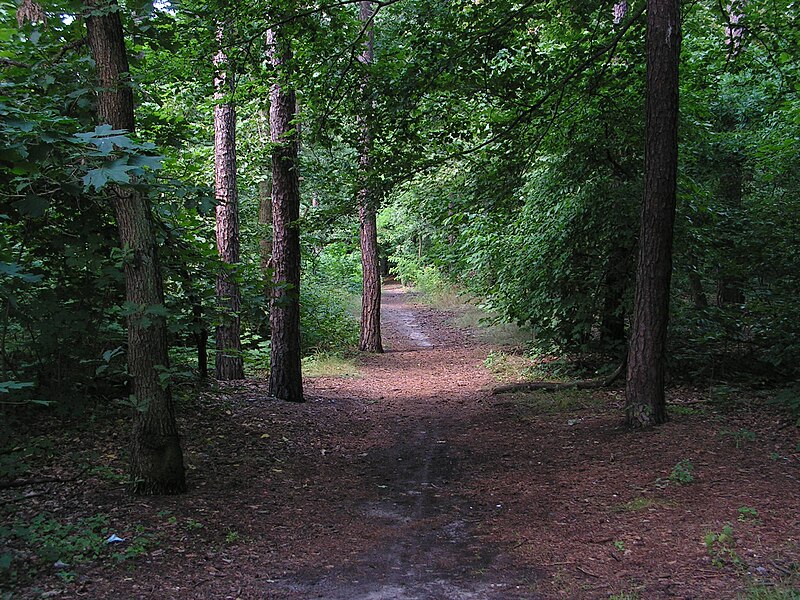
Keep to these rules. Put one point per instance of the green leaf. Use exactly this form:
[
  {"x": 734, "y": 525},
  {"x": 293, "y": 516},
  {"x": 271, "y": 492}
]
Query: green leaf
[
  {"x": 6, "y": 386},
  {"x": 32, "y": 206},
  {"x": 15, "y": 271}
]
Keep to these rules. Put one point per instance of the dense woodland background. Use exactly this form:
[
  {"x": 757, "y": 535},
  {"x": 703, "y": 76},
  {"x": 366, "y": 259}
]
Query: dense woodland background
[{"x": 499, "y": 145}]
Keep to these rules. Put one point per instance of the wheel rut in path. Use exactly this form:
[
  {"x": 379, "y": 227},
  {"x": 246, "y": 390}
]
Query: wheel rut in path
[{"x": 428, "y": 549}]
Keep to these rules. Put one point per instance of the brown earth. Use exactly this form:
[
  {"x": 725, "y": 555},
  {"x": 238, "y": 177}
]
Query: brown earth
[{"x": 412, "y": 481}]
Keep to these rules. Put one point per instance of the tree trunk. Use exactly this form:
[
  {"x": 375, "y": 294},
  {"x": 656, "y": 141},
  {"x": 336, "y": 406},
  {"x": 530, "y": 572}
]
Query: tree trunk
[
  {"x": 285, "y": 378},
  {"x": 646, "y": 356},
  {"x": 370, "y": 337},
  {"x": 229, "y": 362},
  {"x": 265, "y": 220},
  {"x": 156, "y": 457}
]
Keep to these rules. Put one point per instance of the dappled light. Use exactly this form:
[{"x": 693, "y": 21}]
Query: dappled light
[{"x": 399, "y": 300}]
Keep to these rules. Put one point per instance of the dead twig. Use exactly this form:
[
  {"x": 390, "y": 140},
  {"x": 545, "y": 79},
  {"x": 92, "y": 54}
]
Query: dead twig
[
  {"x": 587, "y": 572},
  {"x": 29, "y": 482}
]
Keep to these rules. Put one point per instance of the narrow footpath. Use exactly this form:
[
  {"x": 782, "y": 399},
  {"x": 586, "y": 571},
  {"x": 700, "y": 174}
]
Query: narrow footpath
[{"x": 425, "y": 394}]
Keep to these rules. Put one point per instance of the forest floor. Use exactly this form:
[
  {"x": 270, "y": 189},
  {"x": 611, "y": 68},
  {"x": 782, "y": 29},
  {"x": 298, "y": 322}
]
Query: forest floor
[{"x": 410, "y": 480}]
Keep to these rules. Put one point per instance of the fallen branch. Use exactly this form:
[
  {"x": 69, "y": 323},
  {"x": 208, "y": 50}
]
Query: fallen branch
[
  {"x": 590, "y": 384},
  {"x": 586, "y": 572},
  {"x": 26, "y": 497},
  {"x": 29, "y": 482}
]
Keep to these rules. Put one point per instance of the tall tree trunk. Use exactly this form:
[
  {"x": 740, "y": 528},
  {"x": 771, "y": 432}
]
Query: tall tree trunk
[
  {"x": 285, "y": 378},
  {"x": 265, "y": 220},
  {"x": 156, "y": 457},
  {"x": 265, "y": 212},
  {"x": 370, "y": 337},
  {"x": 229, "y": 362},
  {"x": 646, "y": 356}
]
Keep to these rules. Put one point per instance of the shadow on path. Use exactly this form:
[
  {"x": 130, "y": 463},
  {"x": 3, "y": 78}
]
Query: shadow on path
[{"x": 428, "y": 548}]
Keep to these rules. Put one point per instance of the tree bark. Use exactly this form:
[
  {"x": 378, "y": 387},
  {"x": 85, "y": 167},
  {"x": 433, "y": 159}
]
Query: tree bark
[
  {"x": 229, "y": 362},
  {"x": 156, "y": 456},
  {"x": 285, "y": 378},
  {"x": 265, "y": 213},
  {"x": 265, "y": 220},
  {"x": 370, "y": 335},
  {"x": 646, "y": 356}
]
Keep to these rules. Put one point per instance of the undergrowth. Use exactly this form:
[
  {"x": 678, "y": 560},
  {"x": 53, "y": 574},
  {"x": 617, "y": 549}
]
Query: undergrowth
[{"x": 329, "y": 364}]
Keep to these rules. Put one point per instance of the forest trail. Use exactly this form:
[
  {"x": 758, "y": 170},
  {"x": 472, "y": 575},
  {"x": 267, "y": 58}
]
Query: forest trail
[
  {"x": 427, "y": 385},
  {"x": 409, "y": 481}
]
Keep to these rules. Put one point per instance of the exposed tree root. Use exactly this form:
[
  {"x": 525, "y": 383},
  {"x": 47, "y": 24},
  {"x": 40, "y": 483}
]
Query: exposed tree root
[{"x": 590, "y": 384}]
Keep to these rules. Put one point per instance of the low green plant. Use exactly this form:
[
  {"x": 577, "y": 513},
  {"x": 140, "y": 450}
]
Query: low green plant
[
  {"x": 45, "y": 541},
  {"x": 642, "y": 503},
  {"x": 788, "y": 399},
  {"x": 624, "y": 596},
  {"x": 682, "y": 473},
  {"x": 721, "y": 547},
  {"x": 747, "y": 514},
  {"x": 231, "y": 537},
  {"x": 682, "y": 409},
  {"x": 778, "y": 592},
  {"x": 109, "y": 473},
  {"x": 740, "y": 436},
  {"x": 504, "y": 366},
  {"x": 560, "y": 401},
  {"x": 619, "y": 545},
  {"x": 193, "y": 524}
]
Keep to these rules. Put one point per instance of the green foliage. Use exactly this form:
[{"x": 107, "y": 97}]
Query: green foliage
[
  {"x": 643, "y": 503},
  {"x": 329, "y": 364},
  {"x": 625, "y": 596},
  {"x": 764, "y": 592},
  {"x": 682, "y": 473},
  {"x": 37, "y": 545},
  {"x": 326, "y": 323},
  {"x": 721, "y": 547},
  {"x": 747, "y": 514},
  {"x": 788, "y": 399},
  {"x": 232, "y": 537},
  {"x": 740, "y": 437}
]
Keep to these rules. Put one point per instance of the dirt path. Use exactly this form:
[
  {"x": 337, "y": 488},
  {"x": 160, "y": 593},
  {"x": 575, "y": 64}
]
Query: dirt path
[
  {"x": 427, "y": 387},
  {"x": 412, "y": 482}
]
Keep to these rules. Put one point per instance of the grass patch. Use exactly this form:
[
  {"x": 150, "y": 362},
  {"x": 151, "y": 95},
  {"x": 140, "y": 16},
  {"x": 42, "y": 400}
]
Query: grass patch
[
  {"x": 486, "y": 326},
  {"x": 642, "y": 503},
  {"x": 327, "y": 364},
  {"x": 625, "y": 596},
  {"x": 684, "y": 410},
  {"x": 763, "y": 592},
  {"x": 506, "y": 367},
  {"x": 561, "y": 401}
]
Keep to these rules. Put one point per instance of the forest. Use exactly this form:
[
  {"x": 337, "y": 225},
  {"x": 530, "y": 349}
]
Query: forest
[{"x": 400, "y": 299}]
